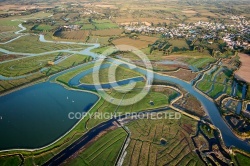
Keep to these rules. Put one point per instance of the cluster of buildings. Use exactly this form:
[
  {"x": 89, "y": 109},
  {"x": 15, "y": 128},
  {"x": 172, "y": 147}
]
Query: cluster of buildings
[
  {"x": 241, "y": 37},
  {"x": 145, "y": 29},
  {"x": 71, "y": 27},
  {"x": 232, "y": 43},
  {"x": 89, "y": 12},
  {"x": 235, "y": 34}
]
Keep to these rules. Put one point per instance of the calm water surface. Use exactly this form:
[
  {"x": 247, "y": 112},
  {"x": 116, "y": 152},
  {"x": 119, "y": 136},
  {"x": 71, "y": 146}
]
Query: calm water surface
[{"x": 38, "y": 115}]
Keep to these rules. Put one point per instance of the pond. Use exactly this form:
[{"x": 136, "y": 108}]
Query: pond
[{"x": 38, "y": 115}]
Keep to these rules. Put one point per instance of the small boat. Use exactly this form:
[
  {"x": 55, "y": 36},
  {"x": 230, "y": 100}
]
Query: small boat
[
  {"x": 73, "y": 101},
  {"x": 67, "y": 97}
]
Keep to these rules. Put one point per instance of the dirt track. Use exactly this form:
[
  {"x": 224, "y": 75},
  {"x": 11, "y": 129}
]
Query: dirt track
[{"x": 244, "y": 71}]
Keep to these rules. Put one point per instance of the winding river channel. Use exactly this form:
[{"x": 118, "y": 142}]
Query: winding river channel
[{"x": 37, "y": 115}]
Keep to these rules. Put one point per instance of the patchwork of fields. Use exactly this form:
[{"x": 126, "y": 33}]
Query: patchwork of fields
[
  {"x": 218, "y": 81},
  {"x": 31, "y": 44},
  {"x": 137, "y": 43},
  {"x": 104, "y": 151},
  {"x": 160, "y": 142},
  {"x": 32, "y": 68},
  {"x": 204, "y": 61}
]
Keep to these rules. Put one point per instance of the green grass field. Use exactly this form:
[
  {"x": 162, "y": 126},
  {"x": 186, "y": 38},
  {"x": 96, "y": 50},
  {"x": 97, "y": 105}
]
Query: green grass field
[
  {"x": 200, "y": 63},
  {"x": 194, "y": 54},
  {"x": 155, "y": 56},
  {"x": 88, "y": 27},
  {"x": 99, "y": 153},
  {"x": 67, "y": 76},
  {"x": 102, "y": 21},
  {"x": 37, "y": 15},
  {"x": 33, "y": 65},
  {"x": 105, "y": 25},
  {"x": 7, "y": 25},
  {"x": 31, "y": 44},
  {"x": 26, "y": 65},
  {"x": 146, "y": 146},
  {"x": 41, "y": 156},
  {"x": 104, "y": 151},
  {"x": 73, "y": 60},
  {"x": 81, "y": 21},
  {"x": 5, "y": 36},
  {"x": 6, "y": 85},
  {"x": 10, "y": 160},
  {"x": 178, "y": 44},
  {"x": 100, "y": 50},
  {"x": 207, "y": 130},
  {"x": 242, "y": 160},
  {"x": 218, "y": 88},
  {"x": 159, "y": 99},
  {"x": 221, "y": 79},
  {"x": 204, "y": 85},
  {"x": 43, "y": 27},
  {"x": 98, "y": 39},
  {"x": 194, "y": 58},
  {"x": 105, "y": 76},
  {"x": 226, "y": 54}
]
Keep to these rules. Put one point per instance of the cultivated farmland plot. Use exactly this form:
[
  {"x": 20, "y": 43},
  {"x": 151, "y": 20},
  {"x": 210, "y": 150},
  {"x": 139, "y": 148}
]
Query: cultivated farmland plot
[
  {"x": 31, "y": 44},
  {"x": 76, "y": 35},
  {"x": 146, "y": 145},
  {"x": 137, "y": 43},
  {"x": 104, "y": 151},
  {"x": 26, "y": 65},
  {"x": 6, "y": 25},
  {"x": 6, "y": 36},
  {"x": 199, "y": 49},
  {"x": 107, "y": 32}
]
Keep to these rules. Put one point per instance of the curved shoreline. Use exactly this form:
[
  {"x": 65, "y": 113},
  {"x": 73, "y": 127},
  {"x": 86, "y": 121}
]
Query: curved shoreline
[
  {"x": 209, "y": 105},
  {"x": 43, "y": 147},
  {"x": 212, "y": 111},
  {"x": 49, "y": 78}
]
